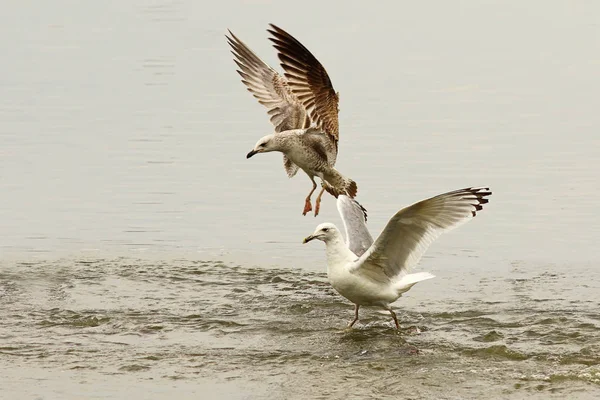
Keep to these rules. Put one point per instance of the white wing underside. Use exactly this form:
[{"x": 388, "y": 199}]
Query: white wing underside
[
  {"x": 411, "y": 231},
  {"x": 354, "y": 217}
]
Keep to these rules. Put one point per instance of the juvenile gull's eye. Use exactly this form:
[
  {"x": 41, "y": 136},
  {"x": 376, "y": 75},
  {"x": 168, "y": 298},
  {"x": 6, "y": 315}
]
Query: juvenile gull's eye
[{"x": 325, "y": 229}]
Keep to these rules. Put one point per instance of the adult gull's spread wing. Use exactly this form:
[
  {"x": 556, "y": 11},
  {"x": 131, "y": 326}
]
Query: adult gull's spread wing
[
  {"x": 409, "y": 233},
  {"x": 354, "y": 217},
  {"x": 309, "y": 81}
]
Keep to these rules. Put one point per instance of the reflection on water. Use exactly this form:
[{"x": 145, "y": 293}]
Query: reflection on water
[{"x": 123, "y": 134}]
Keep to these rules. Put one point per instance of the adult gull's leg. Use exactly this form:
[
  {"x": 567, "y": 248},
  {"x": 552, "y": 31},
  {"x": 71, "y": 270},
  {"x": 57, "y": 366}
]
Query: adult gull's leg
[
  {"x": 356, "y": 307},
  {"x": 307, "y": 205},
  {"x": 394, "y": 316}
]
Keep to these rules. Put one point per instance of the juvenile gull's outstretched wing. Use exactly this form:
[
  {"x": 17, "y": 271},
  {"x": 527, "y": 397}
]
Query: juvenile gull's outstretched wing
[
  {"x": 270, "y": 88},
  {"x": 272, "y": 91},
  {"x": 410, "y": 232},
  {"x": 354, "y": 217},
  {"x": 308, "y": 80}
]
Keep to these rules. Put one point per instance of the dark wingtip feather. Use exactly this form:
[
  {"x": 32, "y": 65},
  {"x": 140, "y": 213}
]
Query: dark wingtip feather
[
  {"x": 364, "y": 210},
  {"x": 275, "y": 30},
  {"x": 480, "y": 196}
]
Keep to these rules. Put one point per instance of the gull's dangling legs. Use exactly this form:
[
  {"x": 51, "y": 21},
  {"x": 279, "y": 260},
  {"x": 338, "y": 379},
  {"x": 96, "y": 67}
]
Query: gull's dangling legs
[
  {"x": 307, "y": 205},
  {"x": 394, "y": 316},
  {"x": 356, "y": 306},
  {"x": 318, "y": 202}
]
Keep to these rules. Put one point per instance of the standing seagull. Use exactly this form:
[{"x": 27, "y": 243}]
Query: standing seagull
[
  {"x": 379, "y": 276},
  {"x": 304, "y": 110}
]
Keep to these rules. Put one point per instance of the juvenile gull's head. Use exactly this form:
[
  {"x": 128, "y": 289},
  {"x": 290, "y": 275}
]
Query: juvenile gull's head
[
  {"x": 325, "y": 232},
  {"x": 264, "y": 145}
]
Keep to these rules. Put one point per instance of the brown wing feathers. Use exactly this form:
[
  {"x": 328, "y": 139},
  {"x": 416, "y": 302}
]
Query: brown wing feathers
[
  {"x": 269, "y": 88},
  {"x": 308, "y": 80}
]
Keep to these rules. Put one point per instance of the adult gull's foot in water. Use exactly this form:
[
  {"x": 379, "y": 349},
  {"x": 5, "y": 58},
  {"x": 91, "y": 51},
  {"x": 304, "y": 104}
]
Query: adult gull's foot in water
[
  {"x": 304, "y": 110},
  {"x": 376, "y": 273}
]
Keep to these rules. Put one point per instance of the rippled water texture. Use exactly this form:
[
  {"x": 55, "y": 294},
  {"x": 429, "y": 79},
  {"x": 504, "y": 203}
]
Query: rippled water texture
[
  {"x": 229, "y": 331},
  {"x": 123, "y": 135}
]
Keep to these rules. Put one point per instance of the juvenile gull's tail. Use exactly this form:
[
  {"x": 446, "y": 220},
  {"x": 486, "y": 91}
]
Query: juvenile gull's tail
[{"x": 337, "y": 184}]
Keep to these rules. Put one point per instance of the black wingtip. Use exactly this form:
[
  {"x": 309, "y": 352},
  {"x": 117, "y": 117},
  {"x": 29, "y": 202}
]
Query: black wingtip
[
  {"x": 364, "y": 210},
  {"x": 480, "y": 194}
]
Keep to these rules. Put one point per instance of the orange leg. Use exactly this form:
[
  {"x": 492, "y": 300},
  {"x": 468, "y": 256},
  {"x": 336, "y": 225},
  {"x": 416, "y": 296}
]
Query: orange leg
[
  {"x": 307, "y": 205},
  {"x": 318, "y": 202}
]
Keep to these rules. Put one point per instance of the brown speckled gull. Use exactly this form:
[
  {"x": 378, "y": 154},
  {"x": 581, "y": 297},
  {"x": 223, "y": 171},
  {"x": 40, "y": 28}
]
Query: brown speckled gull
[{"x": 304, "y": 110}]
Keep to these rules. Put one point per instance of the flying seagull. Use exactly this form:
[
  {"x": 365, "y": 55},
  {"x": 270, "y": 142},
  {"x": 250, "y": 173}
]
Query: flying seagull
[
  {"x": 376, "y": 273},
  {"x": 304, "y": 110}
]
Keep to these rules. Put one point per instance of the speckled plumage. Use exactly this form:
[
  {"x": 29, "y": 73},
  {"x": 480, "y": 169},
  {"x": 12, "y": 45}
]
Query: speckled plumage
[{"x": 315, "y": 154}]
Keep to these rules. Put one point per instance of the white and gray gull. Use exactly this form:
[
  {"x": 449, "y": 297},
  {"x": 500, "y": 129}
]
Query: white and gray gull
[
  {"x": 304, "y": 110},
  {"x": 376, "y": 273}
]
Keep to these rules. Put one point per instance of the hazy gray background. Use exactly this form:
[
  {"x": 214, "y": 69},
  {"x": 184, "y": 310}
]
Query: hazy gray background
[{"x": 124, "y": 126}]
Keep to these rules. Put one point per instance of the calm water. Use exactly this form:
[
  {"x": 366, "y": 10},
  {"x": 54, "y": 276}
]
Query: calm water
[{"x": 142, "y": 253}]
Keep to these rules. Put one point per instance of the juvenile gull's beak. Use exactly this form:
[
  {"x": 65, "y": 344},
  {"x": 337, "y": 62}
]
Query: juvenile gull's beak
[
  {"x": 308, "y": 239},
  {"x": 253, "y": 152}
]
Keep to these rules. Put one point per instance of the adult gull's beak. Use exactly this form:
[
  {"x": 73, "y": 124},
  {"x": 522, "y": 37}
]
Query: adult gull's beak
[
  {"x": 253, "y": 152},
  {"x": 308, "y": 239}
]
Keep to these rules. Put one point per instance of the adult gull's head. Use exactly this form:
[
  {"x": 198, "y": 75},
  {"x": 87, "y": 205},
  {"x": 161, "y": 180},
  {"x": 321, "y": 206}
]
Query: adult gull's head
[{"x": 324, "y": 232}]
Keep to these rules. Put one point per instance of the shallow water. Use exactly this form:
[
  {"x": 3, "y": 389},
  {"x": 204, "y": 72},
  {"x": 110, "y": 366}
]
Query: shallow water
[
  {"x": 123, "y": 134},
  {"x": 206, "y": 327}
]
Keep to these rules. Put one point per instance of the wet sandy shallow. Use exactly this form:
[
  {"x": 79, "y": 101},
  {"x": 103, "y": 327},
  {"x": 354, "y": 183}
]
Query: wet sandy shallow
[{"x": 113, "y": 328}]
